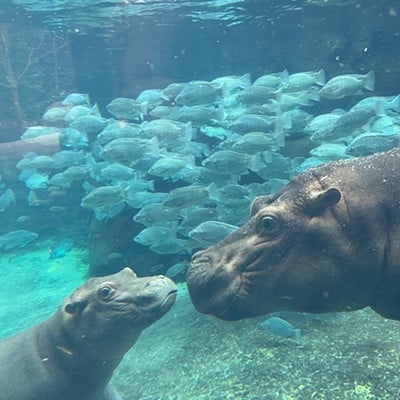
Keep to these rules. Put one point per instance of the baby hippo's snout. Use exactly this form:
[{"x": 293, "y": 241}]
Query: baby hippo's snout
[{"x": 157, "y": 295}]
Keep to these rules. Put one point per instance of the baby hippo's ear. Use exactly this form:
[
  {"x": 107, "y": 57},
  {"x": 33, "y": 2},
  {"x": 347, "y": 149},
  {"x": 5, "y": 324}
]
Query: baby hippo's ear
[
  {"x": 74, "y": 307},
  {"x": 77, "y": 301},
  {"x": 319, "y": 202}
]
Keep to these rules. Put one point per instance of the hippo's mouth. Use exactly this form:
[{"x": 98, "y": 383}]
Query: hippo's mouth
[
  {"x": 169, "y": 298},
  {"x": 213, "y": 293}
]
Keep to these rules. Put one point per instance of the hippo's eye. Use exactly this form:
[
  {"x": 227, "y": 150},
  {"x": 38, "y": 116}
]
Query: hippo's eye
[
  {"x": 105, "y": 293},
  {"x": 270, "y": 225}
]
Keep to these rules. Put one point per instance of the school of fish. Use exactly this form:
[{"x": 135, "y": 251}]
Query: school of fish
[{"x": 188, "y": 159}]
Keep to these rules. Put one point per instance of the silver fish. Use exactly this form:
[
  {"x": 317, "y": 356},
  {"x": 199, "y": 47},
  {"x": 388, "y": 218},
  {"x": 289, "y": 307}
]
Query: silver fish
[
  {"x": 211, "y": 232},
  {"x": 198, "y": 115},
  {"x": 186, "y": 196},
  {"x": 346, "y": 85},
  {"x": 122, "y": 107},
  {"x": 156, "y": 215},
  {"x": 176, "y": 269},
  {"x": 103, "y": 196},
  {"x": 89, "y": 123},
  {"x": 251, "y": 123},
  {"x": 274, "y": 80},
  {"x": 152, "y": 97},
  {"x": 127, "y": 150},
  {"x": 17, "y": 239},
  {"x": 303, "y": 80},
  {"x": 198, "y": 92},
  {"x": 153, "y": 235},
  {"x": 76, "y": 99},
  {"x": 280, "y": 327},
  {"x": 118, "y": 130},
  {"x": 194, "y": 217},
  {"x": 232, "y": 162},
  {"x": 167, "y": 130},
  {"x": 370, "y": 143},
  {"x": 117, "y": 172},
  {"x": 6, "y": 199},
  {"x": 169, "y": 246}
]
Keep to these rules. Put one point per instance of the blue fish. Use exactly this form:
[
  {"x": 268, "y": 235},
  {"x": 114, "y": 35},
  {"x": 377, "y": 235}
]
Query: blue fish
[
  {"x": 280, "y": 327},
  {"x": 60, "y": 248},
  {"x": 6, "y": 199},
  {"x": 15, "y": 239}
]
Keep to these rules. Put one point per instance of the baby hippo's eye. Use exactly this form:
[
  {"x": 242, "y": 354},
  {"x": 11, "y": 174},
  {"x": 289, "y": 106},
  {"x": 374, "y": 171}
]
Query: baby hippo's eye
[
  {"x": 105, "y": 293},
  {"x": 270, "y": 225}
]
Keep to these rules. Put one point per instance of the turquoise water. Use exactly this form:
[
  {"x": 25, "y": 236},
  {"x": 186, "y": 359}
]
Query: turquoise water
[
  {"x": 33, "y": 285},
  {"x": 119, "y": 49}
]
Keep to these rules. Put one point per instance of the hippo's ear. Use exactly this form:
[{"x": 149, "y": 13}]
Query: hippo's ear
[
  {"x": 77, "y": 301},
  {"x": 73, "y": 307},
  {"x": 320, "y": 201},
  {"x": 260, "y": 202}
]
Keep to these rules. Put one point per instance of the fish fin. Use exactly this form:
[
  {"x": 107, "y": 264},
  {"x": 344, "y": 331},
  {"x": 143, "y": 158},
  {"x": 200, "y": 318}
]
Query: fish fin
[
  {"x": 255, "y": 163},
  {"x": 284, "y": 78},
  {"x": 110, "y": 393},
  {"x": 154, "y": 145},
  {"x": 369, "y": 81},
  {"x": 188, "y": 131},
  {"x": 150, "y": 185},
  {"x": 278, "y": 96},
  {"x": 213, "y": 192},
  {"x": 379, "y": 108},
  {"x": 164, "y": 96},
  {"x": 313, "y": 95},
  {"x": 279, "y": 138},
  {"x": 143, "y": 109},
  {"x": 224, "y": 90},
  {"x": 95, "y": 110},
  {"x": 246, "y": 80},
  {"x": 282, "y": 121},
  {"x": 10, "y": 194},
  {"x": 220, "y": 114}
]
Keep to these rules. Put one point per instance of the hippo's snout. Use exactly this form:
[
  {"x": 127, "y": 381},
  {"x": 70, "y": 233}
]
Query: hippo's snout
[
  {"x": 154, "y": 296},
  {"x": 201, "y": 257},
  {"x": 212, "y": 287}
]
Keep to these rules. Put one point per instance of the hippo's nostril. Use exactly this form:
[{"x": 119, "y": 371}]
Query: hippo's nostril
[
  {"x": 150, "y": 284},
  {"x": 200, "y": 258}
]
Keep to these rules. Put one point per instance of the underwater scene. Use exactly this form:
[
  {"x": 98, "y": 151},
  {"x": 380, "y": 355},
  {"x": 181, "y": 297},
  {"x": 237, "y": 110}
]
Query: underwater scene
[{"x": 199, "y": 199}]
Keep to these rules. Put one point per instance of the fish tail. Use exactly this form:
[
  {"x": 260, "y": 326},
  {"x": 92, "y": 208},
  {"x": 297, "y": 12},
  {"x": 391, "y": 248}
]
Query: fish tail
[
  {"x": 224, "y": 90},
  {"x": 320, "y": 78},
  {"x": 297, "y": 336},
  {"x": 395, "y": 103},
  {"x": 369, "y": 81},
  {"x": 95, "y": 110}
]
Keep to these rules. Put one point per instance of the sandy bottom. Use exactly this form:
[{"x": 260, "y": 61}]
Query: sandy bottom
[{"x": 185, "y": 355}]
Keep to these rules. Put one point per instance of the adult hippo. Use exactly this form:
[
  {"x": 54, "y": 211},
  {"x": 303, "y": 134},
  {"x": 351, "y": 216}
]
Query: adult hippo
[
  {"x": 328, "y": 241},
  {"x": 73, "y": 354}
]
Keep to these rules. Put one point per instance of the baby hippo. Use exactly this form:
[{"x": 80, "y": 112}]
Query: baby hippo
[{"x": 72, "y": 355}]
